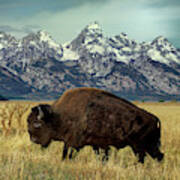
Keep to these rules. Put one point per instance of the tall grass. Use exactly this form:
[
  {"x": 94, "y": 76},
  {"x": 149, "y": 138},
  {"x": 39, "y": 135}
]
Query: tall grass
[{"x": 21, "y": 159}]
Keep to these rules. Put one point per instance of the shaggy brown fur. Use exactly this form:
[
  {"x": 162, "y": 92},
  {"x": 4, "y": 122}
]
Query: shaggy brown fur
[{"x": 89, "y": 116}]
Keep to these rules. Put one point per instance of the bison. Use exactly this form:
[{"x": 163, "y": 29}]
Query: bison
[{"x": 90, "y": 116}]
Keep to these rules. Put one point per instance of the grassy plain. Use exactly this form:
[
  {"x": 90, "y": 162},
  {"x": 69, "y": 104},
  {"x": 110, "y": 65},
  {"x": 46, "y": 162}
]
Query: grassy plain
[{"x": 22, "y": 160}]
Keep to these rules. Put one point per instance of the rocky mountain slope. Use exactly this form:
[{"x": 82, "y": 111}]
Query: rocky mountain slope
[{"x": 38, "y": 67}]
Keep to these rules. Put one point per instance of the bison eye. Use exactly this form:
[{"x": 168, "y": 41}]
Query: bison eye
[{"x": 37, "y": 124}]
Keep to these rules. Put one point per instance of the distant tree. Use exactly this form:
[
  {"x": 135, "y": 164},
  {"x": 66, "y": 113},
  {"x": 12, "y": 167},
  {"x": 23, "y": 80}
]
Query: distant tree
[
  {"x": 161, "y": 100},
  {"x": 3, "y": 98}
]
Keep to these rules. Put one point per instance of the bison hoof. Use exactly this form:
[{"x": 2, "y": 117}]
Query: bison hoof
[{"x": 160, "y": 157}]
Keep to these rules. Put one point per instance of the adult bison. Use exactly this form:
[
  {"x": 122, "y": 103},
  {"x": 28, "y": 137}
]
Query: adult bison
[{"x": 89, "y": 116}]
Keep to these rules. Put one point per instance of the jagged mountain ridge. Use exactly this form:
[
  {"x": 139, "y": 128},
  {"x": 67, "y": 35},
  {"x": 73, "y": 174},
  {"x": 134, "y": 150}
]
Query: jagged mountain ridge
[{"x": 117, "y": 64}]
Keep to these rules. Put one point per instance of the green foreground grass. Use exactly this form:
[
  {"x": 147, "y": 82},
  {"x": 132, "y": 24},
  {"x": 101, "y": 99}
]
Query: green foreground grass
[{"x": 20, "y": 159}]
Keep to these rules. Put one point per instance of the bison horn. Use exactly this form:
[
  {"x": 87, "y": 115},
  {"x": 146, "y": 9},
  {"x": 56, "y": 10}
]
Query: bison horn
[
  {"x": 37, "y": 124},
  {"x": 40, "y": 114}
]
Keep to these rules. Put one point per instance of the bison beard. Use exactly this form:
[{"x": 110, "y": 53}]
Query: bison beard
[{"x": 89, "y": 116}]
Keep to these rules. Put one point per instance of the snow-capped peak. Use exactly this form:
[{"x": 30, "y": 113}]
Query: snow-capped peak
[
  {"x": 161, "y": 41},
  {"x": 7, "y": 37},
  {"x": 123, "y": 35},
  {"x": 45, "y": 37},
  {"x": 93, "y": 28},
  {"x": 7, "y": 40},
  {"x": 163, "y": 51},
  {"x": 91, "y": 34},
  {"x": 1, "y": 35}
]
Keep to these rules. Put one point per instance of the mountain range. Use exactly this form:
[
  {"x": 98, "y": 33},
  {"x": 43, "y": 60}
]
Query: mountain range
[{"x": 37, "y": 67}]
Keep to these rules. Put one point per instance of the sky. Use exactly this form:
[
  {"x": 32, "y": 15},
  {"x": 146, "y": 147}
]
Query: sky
[{"x": 141, "y": 20}]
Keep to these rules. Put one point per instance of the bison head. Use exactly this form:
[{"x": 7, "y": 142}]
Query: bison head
[{"x": 40, "y": 124}]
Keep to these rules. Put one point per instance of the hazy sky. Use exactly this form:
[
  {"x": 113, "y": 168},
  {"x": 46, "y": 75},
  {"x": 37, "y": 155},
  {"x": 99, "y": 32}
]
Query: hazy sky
[{"x": 142, "y": 20}]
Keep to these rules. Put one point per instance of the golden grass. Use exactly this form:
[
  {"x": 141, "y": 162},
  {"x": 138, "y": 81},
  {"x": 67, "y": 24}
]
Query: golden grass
[{"x": 20, "y": 159}]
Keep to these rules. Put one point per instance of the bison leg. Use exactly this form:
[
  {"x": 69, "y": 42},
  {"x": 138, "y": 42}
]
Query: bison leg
[
  {"x": 71, "y": 152},
  {"x": 106, "y": 155},
  {"x": 141, "y": 156},
  {"x": 65, "y": 151},
  {"x": 140, "y": 153},
  {"x": 96, "y": 150}
]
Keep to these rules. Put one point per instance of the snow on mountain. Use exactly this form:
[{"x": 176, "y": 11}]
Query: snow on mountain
[
  {"x": 45, "y": 37},
  {"x": 123, "y": 48},
  {"x": 43, "y": 44},
  {"x": 1, "y": 46},
  {"x": 99, "y": 54},
  {"x": 18, "y": 54},
  {"x": 163, "y": 51},
  {"x": 117, "y": 64},
  {"x": 68, "y": 54},
  {"x": 92, "y": 48}
]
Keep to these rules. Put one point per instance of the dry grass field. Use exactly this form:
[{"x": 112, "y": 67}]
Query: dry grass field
[{"x": 22, "y": 160}]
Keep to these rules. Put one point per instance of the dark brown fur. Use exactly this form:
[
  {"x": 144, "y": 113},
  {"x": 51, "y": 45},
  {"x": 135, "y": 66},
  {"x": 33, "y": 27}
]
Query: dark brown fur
[{"x": 89, "y": 116}]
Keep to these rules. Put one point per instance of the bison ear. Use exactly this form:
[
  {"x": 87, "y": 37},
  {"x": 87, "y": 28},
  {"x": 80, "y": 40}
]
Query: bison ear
[{"x": 45, "y": 112}]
